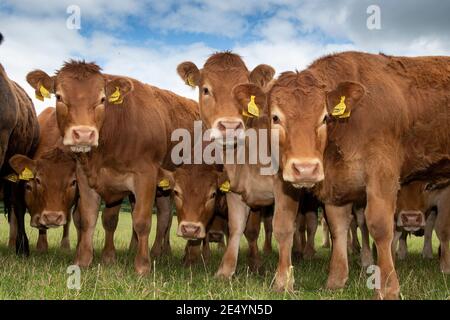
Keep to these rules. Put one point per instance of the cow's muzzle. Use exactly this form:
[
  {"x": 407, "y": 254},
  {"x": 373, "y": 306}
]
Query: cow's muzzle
[
  {"x": 411, "y": 220},
  {"x": 81, "y": 138},
  {"x": 191, "y": 230},
  {"x": 303, "y": 173},
  {"x": 52, "y": 219}
]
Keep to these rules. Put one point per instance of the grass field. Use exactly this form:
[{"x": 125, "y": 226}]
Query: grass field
[{"x": 43, "y": 276}]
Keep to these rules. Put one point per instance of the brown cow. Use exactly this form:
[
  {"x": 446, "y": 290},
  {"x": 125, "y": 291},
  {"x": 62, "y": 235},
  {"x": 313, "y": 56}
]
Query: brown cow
[
  {"x": 221, "y": 112},
  {"x": 415, "y": 210},
  {"x": 120, "y": 130},
  {"x": 19, "y": 133},
  {"x": 51, "y": 194},
  {"x": 354, "y": 125},
  {"x": 200, "y": 204}
]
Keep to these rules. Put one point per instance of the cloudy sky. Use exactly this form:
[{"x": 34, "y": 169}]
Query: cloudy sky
[{"x": 147, "y": 39}]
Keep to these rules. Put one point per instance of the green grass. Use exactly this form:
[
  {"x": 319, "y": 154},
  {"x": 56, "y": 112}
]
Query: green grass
[{"x": 43, "y": 276}]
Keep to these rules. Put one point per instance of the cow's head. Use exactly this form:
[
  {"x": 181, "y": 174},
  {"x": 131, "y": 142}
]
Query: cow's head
[
  {"x": 299, "y": 108},
  {"x": 220, "y": 74},
  {"x": 83, "y": 95},
  {"x": 218, "y": 229},
  {"x": 51, "y": 191},
  {"x": 412, "y": 206},
  {"x": 195, "y": 191}
]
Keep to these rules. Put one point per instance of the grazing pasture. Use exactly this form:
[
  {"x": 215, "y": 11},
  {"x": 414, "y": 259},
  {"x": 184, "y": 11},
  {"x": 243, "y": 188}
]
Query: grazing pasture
[{"x": 43, "y": 276}]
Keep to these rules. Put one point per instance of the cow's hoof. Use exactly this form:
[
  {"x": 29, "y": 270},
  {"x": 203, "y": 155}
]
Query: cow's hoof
[
  {"x": 254, "y": 265},
  {"x": 65, "y": 244},
  {"x": 336, "y": 283},
  {"x": 386, "y": 296},
  {"x": 83, "y": 261},
  {"x": 108, "y": 257},
  {"x": 366, "y": 260},
  {"x": 445, "y": 269},
  {"x": 222, "y": 275},
  {"x": 309, "y": 253},
  {"x": 142, "y": 269},
  {"x": 267, "y": 249},
  {"x": 427, "y": 255},
  {"x": 42, "y": 247},
  {"x": 283, "y": 285}
]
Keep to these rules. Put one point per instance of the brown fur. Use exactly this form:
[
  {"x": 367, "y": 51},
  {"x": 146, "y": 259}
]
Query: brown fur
[
  {"x": 398, "y": 126},
  {"x": 133, "y": 142}
]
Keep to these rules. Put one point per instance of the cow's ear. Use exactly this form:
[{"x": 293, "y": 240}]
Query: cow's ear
[
  {"x": 189, "y": 73},
  {"x": 19, "y": 163},
  {"x": 262, "y": 75},
  {"x": 347, "y": 92},
  {"x": 42, "y": 83},
  {"x": 251, "y": 99},
  {"x": 166, "y": 179},
  {"x": 117, "y": 89}
]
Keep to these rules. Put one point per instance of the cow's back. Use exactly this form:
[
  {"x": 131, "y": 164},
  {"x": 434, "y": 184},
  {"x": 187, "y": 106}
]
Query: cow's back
[
  {"x": 50, "y": 137},
  {"x": 141, "y": 127},
  {"x": 407, "y": 102}
]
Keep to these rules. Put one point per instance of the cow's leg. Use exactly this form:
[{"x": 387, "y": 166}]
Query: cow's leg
[
  {"x": 402, "y": 246},
  {"x": 442, "y": 227},
  {"x": 237, "y": 218},
  {"x": 206, "y": 250},
  {"x": 356, "y": 247},
  {"x": 366, "y": 253},
  {"x": 381, "y": 201},
  {"x": 167, "y": 250},
  {"x": 427, "y": 252},
  {"x": 145, "y": 190},
  {"x": 42, "y": 244},
  {"x": 325, "y": 234},
  {"x": 311, "y": 228},
  {"x": 252, "y": 233},
  {"x": 133, "y": 241},
  {"x": 221, "y": 245},
  {"x": 267, "y": 221},
  {"x": 339, "y": 219},
  {"x": 395, "y": 241},
  {"x": 299, "y": 240},
  {"x": 110, "y": 219},
  {"x": 19, "y": 209},
  {"x": 87, "y": 211},
  {"x": 162, "y": 225},
  {"x": 65, "y": 240},
  {"x": 192, "y": 252},
  {"x": 12, "y": 231},
  {"x": 285, "y": 213}
]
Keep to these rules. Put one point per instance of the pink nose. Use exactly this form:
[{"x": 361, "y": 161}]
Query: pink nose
[
  {"x": 306, "y": 171},
  {"x": 230, "y": 125},
  {"x": 83, "y": 137},
  {"x": 190, "y": 230},
  {"x": 412, "y": 219},
  {"x": 52, "y": 218}
]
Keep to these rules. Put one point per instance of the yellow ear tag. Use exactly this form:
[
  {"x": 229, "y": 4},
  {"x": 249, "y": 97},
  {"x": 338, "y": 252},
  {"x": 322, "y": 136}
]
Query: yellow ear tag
[
  {"x": 44, "y": 92},
  {"x": 346, "y": 114},
  {"x": 12, "y": 177},
  {"x": 225, "y": 187},
  {"x": 339, "y": 109},
  {"x": 26, "y": 174},
  {"x": 116, "y": 97},
  {"x": 252, "y": 108},
  {"x": 164, "y": 184},
  {"x": 190, "y": 81}
]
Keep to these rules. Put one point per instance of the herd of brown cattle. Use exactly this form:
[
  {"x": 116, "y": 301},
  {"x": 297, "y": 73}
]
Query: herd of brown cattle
[{"x": 364, "y": 137}]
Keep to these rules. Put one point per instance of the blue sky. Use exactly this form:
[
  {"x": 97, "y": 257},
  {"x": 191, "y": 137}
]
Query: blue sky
[{"x": 147, "y": 39}]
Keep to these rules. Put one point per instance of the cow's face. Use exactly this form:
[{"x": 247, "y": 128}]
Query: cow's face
[
  {"x": 218, "y": 229},
  {"x": 51, "y": 193},
  {"x": 299, "y": 108},
  {"x": 195, "y": 192},
  {"x": 411, "y": 206},
  {"x": 83, "y": 95},
  {"x": 218, "y": 108}
]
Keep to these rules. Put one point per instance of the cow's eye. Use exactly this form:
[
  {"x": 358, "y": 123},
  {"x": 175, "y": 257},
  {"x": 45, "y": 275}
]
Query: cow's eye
[
  {"x": 325, "y": 119},
  {"x": 73, "y": 183},
  {"x": 213, "y": 195},
  {"x": 28, "y": 187},
  {"x": 58, "y": 97},
  {"x": 38, "y": 181},
  {"x": 205, "y": 91},
  {"x": 176, "y": 193},
  {"x": 103, "y": 100},
  {"x": 275, "y": 119}
]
